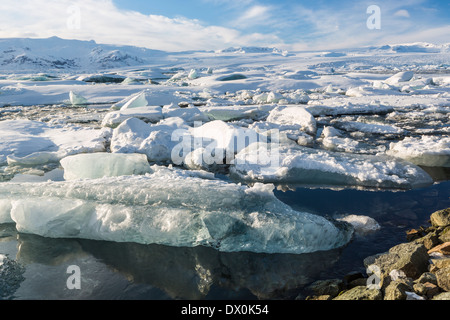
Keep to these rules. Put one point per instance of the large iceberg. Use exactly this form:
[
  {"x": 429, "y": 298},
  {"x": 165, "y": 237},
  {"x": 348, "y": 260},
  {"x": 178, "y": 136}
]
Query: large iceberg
[
  {"x": 307, "y": 166},
  {"x": 171, "y": 207}
]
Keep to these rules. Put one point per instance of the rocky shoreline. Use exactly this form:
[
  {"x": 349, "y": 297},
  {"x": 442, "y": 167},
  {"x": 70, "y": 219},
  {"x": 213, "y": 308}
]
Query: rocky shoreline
[{"x": 418, "y": 269}]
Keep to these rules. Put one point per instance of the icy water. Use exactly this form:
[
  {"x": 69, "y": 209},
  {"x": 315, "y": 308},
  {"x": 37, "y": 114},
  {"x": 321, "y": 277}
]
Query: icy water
[
  {"x": 39, "y": 268},
  {"x": 33, "y": 267}
]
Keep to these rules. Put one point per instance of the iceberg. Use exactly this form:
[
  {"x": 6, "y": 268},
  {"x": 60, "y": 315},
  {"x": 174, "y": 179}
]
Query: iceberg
[
  {"x": 171, "y": 207},
  {"x": 400, "y": 77},
  {"x": 155, "y": 141},
  {"x": 136, "y": 101},
  {"x": 293, "y": 115},
  {"x": 430, "y": 151},
  {"x": 99, "y": 165},
  {"x": 306, "y": 166},
  {"x": 77, "y": 99},
  {"x": 147, "y": 113}
]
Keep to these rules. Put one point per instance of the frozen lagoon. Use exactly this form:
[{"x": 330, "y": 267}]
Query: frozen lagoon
[{"x": 85, "y": 224}]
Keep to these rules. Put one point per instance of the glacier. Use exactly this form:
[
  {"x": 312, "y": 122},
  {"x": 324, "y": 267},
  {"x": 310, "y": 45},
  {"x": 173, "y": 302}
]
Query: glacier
[{"x": 171, "y": 207}]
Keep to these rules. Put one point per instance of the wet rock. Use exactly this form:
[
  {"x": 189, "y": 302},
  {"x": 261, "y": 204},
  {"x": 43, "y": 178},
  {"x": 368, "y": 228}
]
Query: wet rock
[
  {"x": 411, "y": 258},
  {"x": 330, "y": 287},
  {"x": 360, "y": 293},
  {"x": 396, "y": 290},
  {"x": 445, "y": 235},
  {"x": 443, "y": 278},
  {"x": 439, "y": 262},
  {"x": 429, "y": 240},
  {"x": 440, "y": 218},
  {"x": 427, "y": 277}
]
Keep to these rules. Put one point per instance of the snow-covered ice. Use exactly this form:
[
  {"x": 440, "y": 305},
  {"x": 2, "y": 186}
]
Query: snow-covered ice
[
  {"x": 306, "y": 166},
  {"x": 430, "y": 151}
]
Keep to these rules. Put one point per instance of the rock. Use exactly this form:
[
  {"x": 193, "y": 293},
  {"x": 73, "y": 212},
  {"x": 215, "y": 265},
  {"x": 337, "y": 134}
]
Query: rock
[
  {"x": 413, "y": 234},
  {"x": 427, "y": 289},
  {"x": 443, "y": 278},
  {"x": 411, "y": 258},
  {"x": 427, "y": 277},
  {"x": 420, "y": 289},
  {"x": 360, "y": 293},
  {"x": 440, "y": 218},
  {"x": 357, "y": 282},
  {"x": 439, "y": 263},
  {"x": 396, "y": 290},
  {"x": 429, "y": 240},
  {"x": 431, "y": 290},
  {"x": 442, "y": 296},
  {"x": 330, "y": 287},
  {"x": 442, "y": 248},
  {"x": 445, "y": 235}
]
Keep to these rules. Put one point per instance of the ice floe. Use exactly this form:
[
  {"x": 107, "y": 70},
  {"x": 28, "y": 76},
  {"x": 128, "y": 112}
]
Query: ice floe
[
  {"x": 430, "y": 151},
  {"x": 306, "y": 166},
  {"x": 169, "y": 207}
]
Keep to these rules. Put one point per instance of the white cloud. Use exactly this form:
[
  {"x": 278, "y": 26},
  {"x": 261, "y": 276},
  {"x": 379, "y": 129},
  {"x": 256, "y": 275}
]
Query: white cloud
[
  {"x": 402, "y": 13},
  {"x": 255, "y": 15},
  {"x": 102, "y": 21}
]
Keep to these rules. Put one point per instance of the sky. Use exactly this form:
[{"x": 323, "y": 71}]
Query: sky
[{"x": 177, "y": 25}]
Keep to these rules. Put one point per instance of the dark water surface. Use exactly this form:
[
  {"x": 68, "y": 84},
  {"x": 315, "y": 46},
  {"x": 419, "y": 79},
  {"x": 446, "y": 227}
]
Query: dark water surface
[{"x": 37, "y": 267}]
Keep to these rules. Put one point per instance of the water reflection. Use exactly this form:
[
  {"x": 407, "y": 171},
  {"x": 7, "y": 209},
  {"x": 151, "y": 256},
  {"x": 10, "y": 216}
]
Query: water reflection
[{"x": 177, "y": 273}]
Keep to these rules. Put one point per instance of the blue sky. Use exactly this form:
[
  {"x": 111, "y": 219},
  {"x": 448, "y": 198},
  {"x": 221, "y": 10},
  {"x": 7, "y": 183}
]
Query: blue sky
[{"x": 217, "y": 24}]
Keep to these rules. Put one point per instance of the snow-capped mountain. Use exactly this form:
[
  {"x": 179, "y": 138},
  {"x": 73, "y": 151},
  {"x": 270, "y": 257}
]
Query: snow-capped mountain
[{"x": 31, "y": 55}]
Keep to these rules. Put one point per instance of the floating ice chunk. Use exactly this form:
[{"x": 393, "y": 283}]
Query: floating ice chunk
[
  {"x": 149, "y": 98},
  {"x": 284, "y": 134},
  {"x": 368, "y": 127},
  {"x": 204, "y": 159},
  {"x": 189, "y": 115},
  {"x": 193, "y": 74},
  {"x": 99, "y": 165},
  {"x": 225, "y": 136},
  {"x": 400, "y": 77},
  {"x": 293, "y": 115},
  {"x": 230, "y": 113},
  {"x": 136, "y": 136},
  {"x": 54, "y": 175},
  {"x": 33, "y": 159},
  {"x": 332, "y": 140},
  {"x": 336, "y": 110},
  {"x": 430, "y": 151},
  {"x": 137, "y": 101},
  {"x": 77, "y": 99},
  {"x": 306, "y": 166},
  {"x": 362, "y": 224},
  {"x": 169, "y": 207},
  {"x": 149, "y": 114}
]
